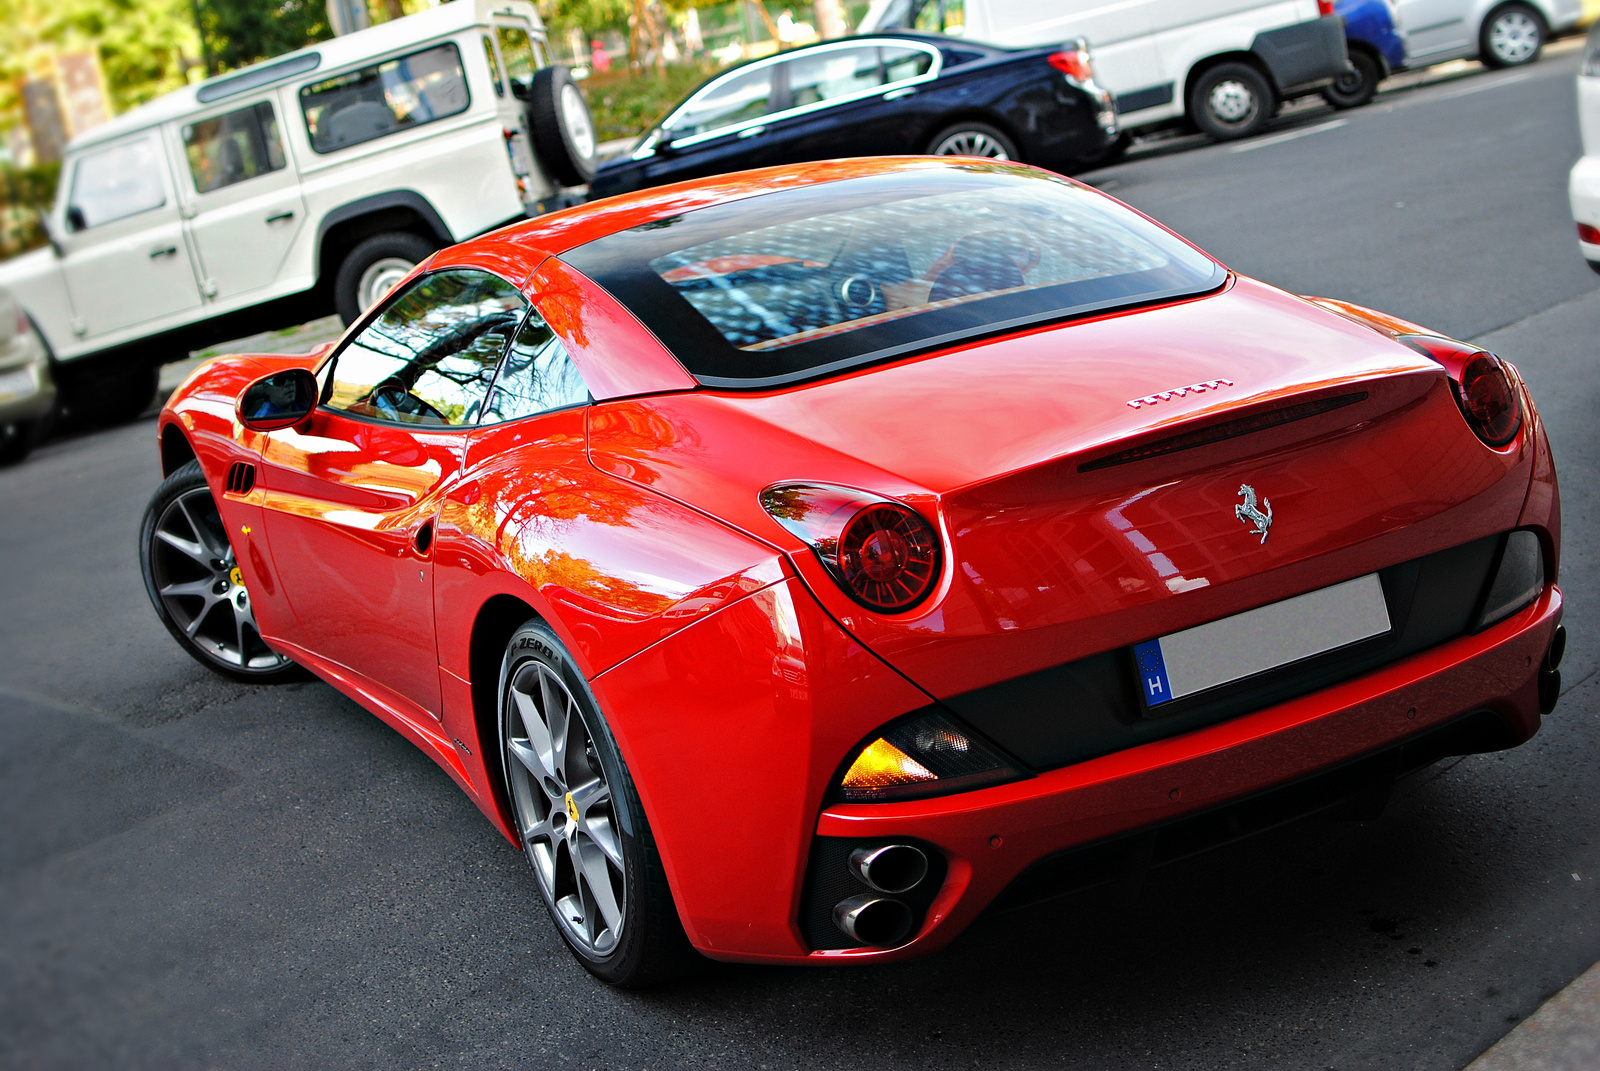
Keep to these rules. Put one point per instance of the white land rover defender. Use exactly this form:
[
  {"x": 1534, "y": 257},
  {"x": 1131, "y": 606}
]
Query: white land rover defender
[{"x": 315, "y": 180}]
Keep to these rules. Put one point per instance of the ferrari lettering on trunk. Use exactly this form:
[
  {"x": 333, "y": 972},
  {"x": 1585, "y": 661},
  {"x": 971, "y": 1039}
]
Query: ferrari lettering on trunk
[{"x": 1178, "y": 392}]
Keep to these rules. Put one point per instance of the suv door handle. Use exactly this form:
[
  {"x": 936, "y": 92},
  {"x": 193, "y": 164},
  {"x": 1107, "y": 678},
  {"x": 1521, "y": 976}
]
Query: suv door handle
[
  {"x": 170, "y": 251},
  {"x": 279, "y": 217},
  {"x": 752, "y": 132},
  {"x": 896, "y": 94}
]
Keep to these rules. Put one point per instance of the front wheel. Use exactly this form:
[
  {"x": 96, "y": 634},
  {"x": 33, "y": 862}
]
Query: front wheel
[
  {"x": 1231, "y": 100},
  {"x": 580, "y": 822},
  {"x": 1356, "y": 86},
  {"x": 1512, "y": 35},
  {"x": 194, "y": 582},
  {"x": 371, "y": 270}
]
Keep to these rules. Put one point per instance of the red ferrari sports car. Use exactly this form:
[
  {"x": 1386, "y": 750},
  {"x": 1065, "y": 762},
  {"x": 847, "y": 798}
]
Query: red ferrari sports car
[{"x": 795, "y": 563}]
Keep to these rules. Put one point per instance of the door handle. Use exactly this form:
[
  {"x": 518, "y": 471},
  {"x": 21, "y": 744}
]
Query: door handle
[
  {"x": 279, "y": 217},
  {"x": 752, "y": 132},
  {"x": 896, "y": 94},
  {"x": 170, "y": 251}
]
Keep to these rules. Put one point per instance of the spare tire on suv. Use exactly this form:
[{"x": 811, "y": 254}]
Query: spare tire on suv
[{"x": 563, "y": 131}]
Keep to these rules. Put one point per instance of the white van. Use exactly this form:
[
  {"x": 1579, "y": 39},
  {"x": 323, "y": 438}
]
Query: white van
[
  {"x": 1224, "y": 64},
  {"x": 310, "y": 182}
]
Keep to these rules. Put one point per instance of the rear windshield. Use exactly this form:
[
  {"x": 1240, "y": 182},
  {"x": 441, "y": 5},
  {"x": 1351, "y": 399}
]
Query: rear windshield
[{"x": 784, "y": 286}]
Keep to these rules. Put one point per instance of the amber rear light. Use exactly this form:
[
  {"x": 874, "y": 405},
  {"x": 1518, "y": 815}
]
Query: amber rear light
[{"x": 883, "y": 553}]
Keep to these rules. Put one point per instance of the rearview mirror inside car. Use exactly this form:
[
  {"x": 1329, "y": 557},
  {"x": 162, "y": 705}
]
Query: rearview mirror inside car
[{"x": 280, "y": 400}]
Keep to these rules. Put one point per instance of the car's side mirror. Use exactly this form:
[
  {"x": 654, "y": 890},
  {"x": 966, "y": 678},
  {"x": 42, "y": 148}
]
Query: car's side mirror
[
  {"x": 663, "y": 145},
  {"x": 75, "y": 219},
  {"x": 280, "y": 400}
]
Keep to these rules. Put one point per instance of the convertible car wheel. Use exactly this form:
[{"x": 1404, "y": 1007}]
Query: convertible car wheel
[
  {"x": 580, "y": 822},
  {"x": 194, "y": 581}
]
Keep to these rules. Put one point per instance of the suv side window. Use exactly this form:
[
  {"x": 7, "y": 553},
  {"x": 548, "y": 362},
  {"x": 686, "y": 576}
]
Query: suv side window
[
  {"x": 522, "y": 57},
  {"x": 115, "y": 183},
  {"x": 824, "y": 76},
  {"x": 233, "y": 147},
  {"x": 430, "y": 355},
  {"x": 740, "y": 97},
  {"x": 386, "y": 98},
  {"x": 538, "y": 376}
]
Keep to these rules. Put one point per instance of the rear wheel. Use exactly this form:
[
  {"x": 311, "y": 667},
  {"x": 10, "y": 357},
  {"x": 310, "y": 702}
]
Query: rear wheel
[
  {"x": 580, "y": 821},
  {"x": 372, "y": 269},
  {"x": 1512, "y": 35},
  {"x": 1231, "y": 100},
  {"x": 192, "y": 577},
  {"x": 16, "y": 439},
  {"x": 973, "y": 139},
  {"x": 1356, "y": 86},
  {"x": 115, "y": 392}
]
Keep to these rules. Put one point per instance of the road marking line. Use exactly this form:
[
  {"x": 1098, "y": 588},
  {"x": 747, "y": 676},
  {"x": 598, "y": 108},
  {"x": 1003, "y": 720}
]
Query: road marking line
[
  {"x": 1261, "y": 143},
  {"x": 1480, "y": 86}
]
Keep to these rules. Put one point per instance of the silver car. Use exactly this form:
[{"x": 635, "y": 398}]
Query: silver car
[{"x": 27, "y": 393}]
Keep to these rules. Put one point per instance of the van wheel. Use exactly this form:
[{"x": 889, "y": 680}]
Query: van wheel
[
  {"x": 1356, "y": 86},
  {"x": 371, "y": 270},
  {"x": 1511, "y": 36},
  {"x": 563, "y": 130},
  {"x": 1231, "y": 100}
]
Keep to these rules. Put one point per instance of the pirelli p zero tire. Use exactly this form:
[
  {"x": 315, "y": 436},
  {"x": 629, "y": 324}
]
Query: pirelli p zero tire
[
  {"x": 193, "y": 580},
  {"x": 1357, "y": 85},
  {"x": 578, "y": 816},
  {"x": 1512, "y": 35},
  {"x": 1231, "y": 100},
  {"x": 563, "y": 131},
  {"x": 372, "y": 268}
]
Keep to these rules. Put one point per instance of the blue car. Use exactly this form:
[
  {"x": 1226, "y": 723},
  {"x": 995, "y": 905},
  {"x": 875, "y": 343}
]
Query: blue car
[{"x": 1377, "y": 48}]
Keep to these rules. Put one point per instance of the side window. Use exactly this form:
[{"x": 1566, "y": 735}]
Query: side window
[
  {"x": 900, "y": 64},
  {"x": 523, "y": 57},
  {"x": 741, "y": 97},
  {"x": 115, "y": 183},
  {"x": 386, "y": 98},
  {"x": 538, "y": 376},
  {"x": 233, "y": 147},
  {"x": 825, "y": 76},
  {"x": 430, "y": 355},
  {"x": 494, "y": 66}
]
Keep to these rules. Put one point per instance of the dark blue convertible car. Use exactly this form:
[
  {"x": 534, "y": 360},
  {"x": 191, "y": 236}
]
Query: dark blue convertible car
[{"x": 882, "y": 95}]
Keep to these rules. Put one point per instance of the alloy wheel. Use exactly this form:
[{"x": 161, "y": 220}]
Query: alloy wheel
[
  {"x": 1513, "y": 37},
  {"x": 198, "y": 581},
  {"x": 380, "y": 278},
  {"x": 565, "y": 808},
  {"x": 971, "y": 143}
]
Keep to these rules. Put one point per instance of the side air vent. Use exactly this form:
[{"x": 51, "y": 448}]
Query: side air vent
[{"x": 241, "y": 478}]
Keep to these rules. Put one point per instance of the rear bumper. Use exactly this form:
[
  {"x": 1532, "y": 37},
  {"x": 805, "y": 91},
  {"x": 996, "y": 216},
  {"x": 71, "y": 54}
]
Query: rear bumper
[{"x": 990, "y": 837}]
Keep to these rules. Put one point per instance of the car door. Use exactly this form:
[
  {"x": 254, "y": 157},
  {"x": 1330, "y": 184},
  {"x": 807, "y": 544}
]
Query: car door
[
  {"x": 717, "y": 130},
  {"x": 124, "y": 258},
  {"x": 351, "y": 496},
  {"x": 837, "y": 102},
  {"x": 242, "y": 196},
  {"x": 1437, "y": 29}
]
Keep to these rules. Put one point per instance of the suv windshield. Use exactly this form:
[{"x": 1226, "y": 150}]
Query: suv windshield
[{"x": 783, "y": 286}]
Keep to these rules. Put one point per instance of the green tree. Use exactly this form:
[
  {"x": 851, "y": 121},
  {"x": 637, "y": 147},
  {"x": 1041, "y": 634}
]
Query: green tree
[{"x": 241, "y": 32}]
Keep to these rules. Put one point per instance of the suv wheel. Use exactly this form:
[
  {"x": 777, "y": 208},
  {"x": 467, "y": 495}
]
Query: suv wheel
[
  {"x": 563, "y": 131},
  {"x": 371, "y": 270},
  {"x": 1356, "y": 86},
  {"x": 1231, "y": 100},
  {"x": 1511, "y": 36}
]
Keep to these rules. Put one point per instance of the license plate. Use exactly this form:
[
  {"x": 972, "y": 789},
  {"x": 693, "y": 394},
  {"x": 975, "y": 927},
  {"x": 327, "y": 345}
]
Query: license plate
[
  {"x": 15, "y": 383},
  {"x": 1255, "y": 641}
]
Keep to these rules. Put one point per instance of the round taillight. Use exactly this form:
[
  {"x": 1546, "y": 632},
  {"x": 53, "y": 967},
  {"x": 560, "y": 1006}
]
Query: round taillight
[
  {"x": 888, "y": 557},
  {"x": 1488, "y": 399}
]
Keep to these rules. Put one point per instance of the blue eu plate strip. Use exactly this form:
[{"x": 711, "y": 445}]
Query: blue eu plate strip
[{"x": 1152, "y": 672}]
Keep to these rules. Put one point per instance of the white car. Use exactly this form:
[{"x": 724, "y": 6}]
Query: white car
[
  {"x": 1583, "y": 187},
  {"x": 27, "y": 392},
  {"x": 1501, "y": 33},
  {"x": 317, "y": 179},
  {"x": 1223, "y": 64}
]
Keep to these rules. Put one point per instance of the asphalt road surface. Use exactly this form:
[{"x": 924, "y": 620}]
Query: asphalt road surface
[{"x": 200, "y": 874}]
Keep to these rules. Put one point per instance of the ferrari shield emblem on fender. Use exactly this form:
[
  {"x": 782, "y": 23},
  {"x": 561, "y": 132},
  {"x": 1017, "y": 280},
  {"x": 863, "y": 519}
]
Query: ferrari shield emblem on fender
[{"x": 1250, "y": 513}]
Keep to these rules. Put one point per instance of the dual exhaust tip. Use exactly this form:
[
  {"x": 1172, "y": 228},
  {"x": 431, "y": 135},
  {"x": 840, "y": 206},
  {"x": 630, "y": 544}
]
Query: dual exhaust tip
[
  {"x": 1550, "y": 671},
  {"x": 891, "y": 869}
]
